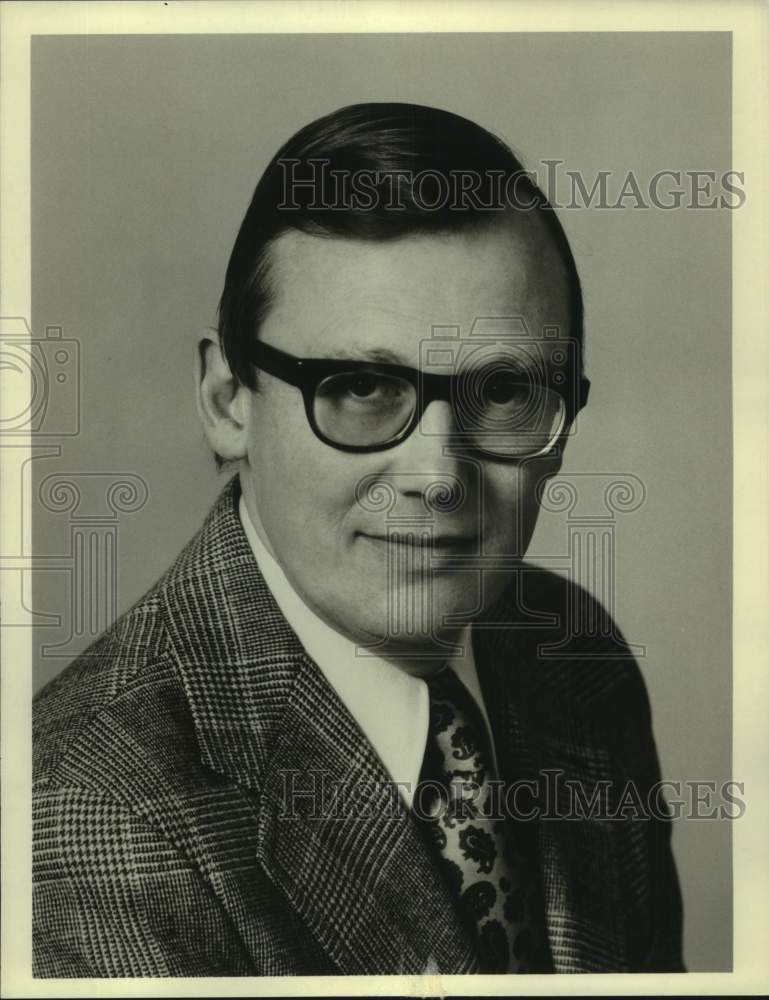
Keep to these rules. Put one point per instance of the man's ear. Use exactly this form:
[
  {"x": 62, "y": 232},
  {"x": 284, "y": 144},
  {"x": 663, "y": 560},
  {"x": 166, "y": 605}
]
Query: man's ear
[{"x": 224, "y": 405}]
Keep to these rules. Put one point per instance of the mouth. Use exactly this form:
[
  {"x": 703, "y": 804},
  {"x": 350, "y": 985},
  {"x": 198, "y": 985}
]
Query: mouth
[{"x": 423, "y": 540}]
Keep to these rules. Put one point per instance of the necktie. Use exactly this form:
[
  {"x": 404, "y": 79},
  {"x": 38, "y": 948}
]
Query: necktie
[{"x": 455, "y": 803}]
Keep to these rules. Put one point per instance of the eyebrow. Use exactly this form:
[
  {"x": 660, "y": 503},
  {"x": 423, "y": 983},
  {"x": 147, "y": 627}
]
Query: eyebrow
[{"x": 380, "y": 354}]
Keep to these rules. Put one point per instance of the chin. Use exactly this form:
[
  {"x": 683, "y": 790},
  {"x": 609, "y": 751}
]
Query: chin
[{"x": 410, "y": 627}]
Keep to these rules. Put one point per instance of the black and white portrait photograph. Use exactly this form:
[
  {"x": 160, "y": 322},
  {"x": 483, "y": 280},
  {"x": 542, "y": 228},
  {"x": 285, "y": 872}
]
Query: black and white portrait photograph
[{"x": 385, "y": 465}]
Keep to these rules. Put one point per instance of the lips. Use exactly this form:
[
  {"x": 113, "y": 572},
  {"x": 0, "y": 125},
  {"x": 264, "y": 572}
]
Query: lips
[{"x": 424, "y": 540}]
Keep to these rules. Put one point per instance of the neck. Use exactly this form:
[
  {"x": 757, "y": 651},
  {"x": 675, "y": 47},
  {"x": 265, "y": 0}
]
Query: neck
[{"x": 427, "y": 658}]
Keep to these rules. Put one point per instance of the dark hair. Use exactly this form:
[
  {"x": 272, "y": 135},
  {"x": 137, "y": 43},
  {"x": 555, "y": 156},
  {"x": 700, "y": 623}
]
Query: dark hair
[{"x": 399, "y": 149}]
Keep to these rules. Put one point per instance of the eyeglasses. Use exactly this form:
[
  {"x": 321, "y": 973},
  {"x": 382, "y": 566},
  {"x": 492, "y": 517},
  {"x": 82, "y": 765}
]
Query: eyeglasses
[{"x": 501, "y": 409}]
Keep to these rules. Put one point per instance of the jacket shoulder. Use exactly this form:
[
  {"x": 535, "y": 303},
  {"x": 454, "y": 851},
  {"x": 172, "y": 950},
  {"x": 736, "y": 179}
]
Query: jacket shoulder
[
  {"x": 123, "y": 664},
  {"x": 126, "y": 680},
  {"x": 565, "y": 644}
]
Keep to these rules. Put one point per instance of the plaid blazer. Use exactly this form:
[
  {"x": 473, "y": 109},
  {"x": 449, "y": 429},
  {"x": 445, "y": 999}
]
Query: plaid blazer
[{"x": 172, "y": 838}]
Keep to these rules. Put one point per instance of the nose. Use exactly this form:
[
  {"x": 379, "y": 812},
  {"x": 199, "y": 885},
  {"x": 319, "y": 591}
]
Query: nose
[
  {"x": 437, "y": 421},
  {"x": 423, "y": 464},
  {"x": 425, "y": 448}
]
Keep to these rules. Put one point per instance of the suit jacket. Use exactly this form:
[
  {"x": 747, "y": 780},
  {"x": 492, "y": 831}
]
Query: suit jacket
[{"x": 172, "y": 836}]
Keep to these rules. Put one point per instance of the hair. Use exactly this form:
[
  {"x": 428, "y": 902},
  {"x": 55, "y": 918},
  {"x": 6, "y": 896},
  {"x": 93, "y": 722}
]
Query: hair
[{"x": 396, "y": 148}]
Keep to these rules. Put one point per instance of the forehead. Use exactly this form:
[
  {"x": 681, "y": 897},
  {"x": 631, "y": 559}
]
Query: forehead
[{"x": 334, "y": 296}]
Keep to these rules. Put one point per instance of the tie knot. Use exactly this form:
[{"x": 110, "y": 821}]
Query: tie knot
[
  {"x": 451, "y": 701},
  {"x": 444, "y": 681},
  {"x": 458, "y": 747}
]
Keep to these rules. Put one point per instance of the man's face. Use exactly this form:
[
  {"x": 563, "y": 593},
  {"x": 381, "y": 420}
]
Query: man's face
[{"x": 380, "y": 301}]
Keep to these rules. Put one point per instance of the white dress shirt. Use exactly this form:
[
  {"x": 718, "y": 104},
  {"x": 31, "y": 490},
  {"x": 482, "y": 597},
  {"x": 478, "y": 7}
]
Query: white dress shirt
[{"x": 365, "y": 683}]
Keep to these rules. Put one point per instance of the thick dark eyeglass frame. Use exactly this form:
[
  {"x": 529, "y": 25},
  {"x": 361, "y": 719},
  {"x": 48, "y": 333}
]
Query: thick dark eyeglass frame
[{"x": 306, "y": 374}]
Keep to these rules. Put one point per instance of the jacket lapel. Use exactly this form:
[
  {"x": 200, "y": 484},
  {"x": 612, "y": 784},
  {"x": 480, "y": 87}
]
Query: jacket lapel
[
  {"x": 347, "y": 855},
  {"x": 332, "y": 833}
]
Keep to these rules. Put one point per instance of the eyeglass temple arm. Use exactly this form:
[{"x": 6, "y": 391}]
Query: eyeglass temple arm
[
  {"x": 277, "y": 362},
  {"x": 584, "y": 391}
]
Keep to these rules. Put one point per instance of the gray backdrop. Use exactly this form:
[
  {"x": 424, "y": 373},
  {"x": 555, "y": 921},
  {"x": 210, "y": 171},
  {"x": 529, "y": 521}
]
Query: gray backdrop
[{"x": 145, "y": 151}]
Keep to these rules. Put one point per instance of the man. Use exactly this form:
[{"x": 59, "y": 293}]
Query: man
[{"x": 303, "y": 751}]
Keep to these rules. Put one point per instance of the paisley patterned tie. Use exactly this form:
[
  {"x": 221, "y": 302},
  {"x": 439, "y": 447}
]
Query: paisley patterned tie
[{"x": 476, "y": 851}]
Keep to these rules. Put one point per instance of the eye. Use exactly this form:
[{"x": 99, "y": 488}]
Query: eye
[
  {"x": 364, "y": 387},
  {"x": 362, "y": 384},
  {"x": 504, "y": 389}
]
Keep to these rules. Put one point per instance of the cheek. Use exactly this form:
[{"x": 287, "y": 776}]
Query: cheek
[
  {"x": 510, "y": 507},
  {"x": 300, "y": 483}
]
